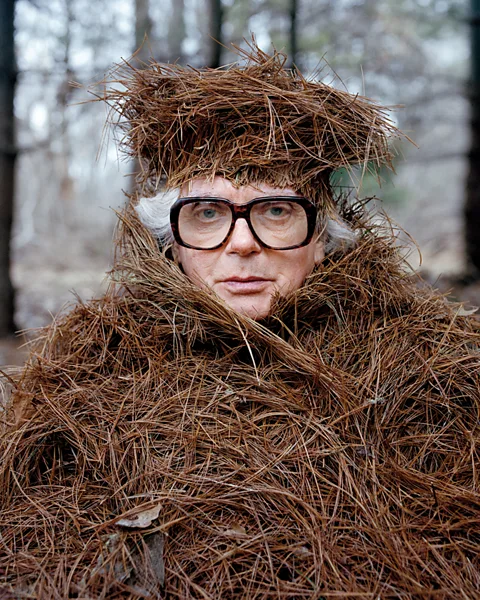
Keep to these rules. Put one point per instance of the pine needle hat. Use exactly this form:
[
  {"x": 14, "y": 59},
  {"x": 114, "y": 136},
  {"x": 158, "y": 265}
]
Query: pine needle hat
[{"x": 250, "y": 123}]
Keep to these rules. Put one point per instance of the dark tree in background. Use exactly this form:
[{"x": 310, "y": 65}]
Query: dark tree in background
[
  {"x": 177, "y": 31},
  {"x": 143, "y": 28},
  {"x": 216, "y": 38},
  {"x": 8, "y": 76},
  {"x": 293, "y": 7},
  {"x": 472, "y": 205}
]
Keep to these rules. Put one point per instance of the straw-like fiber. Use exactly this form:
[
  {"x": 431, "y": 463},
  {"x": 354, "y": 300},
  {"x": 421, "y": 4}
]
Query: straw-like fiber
[
  {"x": 329, "y": 451},
  {"x": 257, "y": 122}
]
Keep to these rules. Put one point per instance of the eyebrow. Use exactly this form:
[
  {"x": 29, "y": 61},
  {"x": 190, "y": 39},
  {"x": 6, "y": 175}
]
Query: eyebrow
[
  {"x": 205, "y": 195},
  {"x": 205, "y": 199},
  {"x": 197, "y": 199}
]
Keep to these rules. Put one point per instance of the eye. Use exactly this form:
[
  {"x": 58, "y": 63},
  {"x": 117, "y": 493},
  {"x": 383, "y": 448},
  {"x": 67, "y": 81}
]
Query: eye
[
  {"x": 276, "y": 211},
  {"x": 209, "y": 213}
]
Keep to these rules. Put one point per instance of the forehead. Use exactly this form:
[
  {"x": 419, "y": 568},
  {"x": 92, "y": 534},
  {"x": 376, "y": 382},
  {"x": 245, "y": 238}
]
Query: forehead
[{"x": 223, "y": 188}]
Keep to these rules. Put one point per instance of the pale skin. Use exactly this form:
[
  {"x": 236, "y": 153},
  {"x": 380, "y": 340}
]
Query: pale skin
[{"x": 242, "y": 272}]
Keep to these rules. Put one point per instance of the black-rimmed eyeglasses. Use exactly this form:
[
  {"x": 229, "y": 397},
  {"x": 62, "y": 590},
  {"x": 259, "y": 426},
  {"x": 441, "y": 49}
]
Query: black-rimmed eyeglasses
[{"x": 276, "y": 222}]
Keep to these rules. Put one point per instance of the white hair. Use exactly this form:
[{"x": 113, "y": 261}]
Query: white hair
[{"x": 154, "y": 213}]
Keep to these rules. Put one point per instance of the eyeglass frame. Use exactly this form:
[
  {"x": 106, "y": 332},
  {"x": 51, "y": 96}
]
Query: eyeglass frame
[{"x": 242, "y": 211}]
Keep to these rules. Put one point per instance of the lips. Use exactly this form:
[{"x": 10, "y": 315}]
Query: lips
[{"x": 246, "y": 285}]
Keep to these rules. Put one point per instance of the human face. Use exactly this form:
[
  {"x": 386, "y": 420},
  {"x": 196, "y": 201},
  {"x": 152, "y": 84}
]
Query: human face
[{"x": 242, "y": 272}]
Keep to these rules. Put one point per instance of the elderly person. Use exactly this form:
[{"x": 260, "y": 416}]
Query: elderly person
[
  {"x": 264, "y": 404},
  {"x": 248, "y": 244}
]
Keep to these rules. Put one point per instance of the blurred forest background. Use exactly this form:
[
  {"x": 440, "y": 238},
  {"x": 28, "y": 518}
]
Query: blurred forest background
[{"x": 413, "y": 54}]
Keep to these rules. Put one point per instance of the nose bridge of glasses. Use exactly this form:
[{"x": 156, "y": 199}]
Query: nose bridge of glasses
[
  {"x": 241, "y": 235},
  {"x": 240, "y": 211}
]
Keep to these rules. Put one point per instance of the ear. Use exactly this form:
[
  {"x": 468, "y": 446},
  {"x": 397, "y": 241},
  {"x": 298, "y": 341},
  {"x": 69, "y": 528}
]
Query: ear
[
  {"x": 319, "y": 251},
  {"x": 175, "y": 253}
]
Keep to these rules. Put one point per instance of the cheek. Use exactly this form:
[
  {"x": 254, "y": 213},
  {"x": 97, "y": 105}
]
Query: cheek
[
  {"x": 298, "y": 266},
  {"x": 198, "y": 265}
]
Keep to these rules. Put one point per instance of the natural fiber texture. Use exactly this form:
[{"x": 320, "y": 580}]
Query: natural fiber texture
[
  {"x": 330, "y": 451},
  {"x": 258, "y": 122}
]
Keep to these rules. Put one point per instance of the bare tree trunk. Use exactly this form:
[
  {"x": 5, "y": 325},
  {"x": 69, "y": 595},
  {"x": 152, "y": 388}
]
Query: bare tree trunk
[
  {"x": 216, "y": 22},
  {"x": 143, "y": 28},
  {"x": 472, "y": 204},
  {"x": 67, "y": 184},
  {"x": 8, "y": 76},
  {"x": 176, "y": 31},
  {"x": 293, "y": 10},
  {"x": 243, "y": 12}
]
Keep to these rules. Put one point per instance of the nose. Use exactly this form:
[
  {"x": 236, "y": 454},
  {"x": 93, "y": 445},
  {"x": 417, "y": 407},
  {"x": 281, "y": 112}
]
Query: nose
[{"x": 241, "y": 240}]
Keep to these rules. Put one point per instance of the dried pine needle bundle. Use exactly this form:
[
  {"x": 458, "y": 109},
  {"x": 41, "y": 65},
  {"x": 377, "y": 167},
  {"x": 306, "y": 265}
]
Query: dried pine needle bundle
[{"x": 255, "y": 123}]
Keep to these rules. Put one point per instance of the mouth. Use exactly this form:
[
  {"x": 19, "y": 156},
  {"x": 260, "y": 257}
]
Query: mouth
[{"x": 246, "y": 285}]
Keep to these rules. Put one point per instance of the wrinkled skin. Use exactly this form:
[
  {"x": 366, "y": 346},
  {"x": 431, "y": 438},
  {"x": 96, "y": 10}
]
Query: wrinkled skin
[{"x": 243, "y": 273}]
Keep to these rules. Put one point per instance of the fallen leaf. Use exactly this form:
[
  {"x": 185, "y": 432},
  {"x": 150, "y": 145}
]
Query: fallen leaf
[
  {"x": 302, "y": 552},
  {"x": 149, "y": 567},
  {"x": 155, "y": 544},
  {"x": 236, "y": 530},
  {"x": 141, "y": 519},
  {"x": 466, "y": 312}
]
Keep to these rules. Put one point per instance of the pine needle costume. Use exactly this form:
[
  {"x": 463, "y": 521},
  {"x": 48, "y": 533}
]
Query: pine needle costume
[{"x": 160, "y": 445}]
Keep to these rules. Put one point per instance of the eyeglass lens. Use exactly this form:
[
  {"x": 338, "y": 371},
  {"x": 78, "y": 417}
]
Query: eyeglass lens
[{"x": 277, "y": 223}]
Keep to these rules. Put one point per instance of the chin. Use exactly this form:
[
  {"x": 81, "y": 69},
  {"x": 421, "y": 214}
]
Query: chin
[{"x": 248, "y": 307}]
